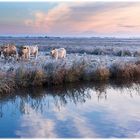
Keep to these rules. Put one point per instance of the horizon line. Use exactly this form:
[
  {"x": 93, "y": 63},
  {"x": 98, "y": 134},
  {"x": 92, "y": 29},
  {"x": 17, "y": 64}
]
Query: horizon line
[{"x": 46, "y": 36}]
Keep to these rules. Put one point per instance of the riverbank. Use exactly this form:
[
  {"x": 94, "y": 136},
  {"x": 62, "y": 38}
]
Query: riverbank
[
  {"x": 65, "y": 106},
  {"x": 46, "y": 71}
]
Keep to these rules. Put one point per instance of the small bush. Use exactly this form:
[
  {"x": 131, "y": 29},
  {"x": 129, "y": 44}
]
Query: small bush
[
  {"x": 63, "y": 71},
  {"x": 7, "y": 85},
  {"x": 101, "y": 74},
  {"x": 55, "y": 73},
  {"x": 125, "y": 71},
  {"x": 76, "y": 72},
  {"x": 37, "y": 77},
  {"x": 27, "y": 77}
]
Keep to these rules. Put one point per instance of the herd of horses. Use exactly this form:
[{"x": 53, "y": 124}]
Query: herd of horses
[{"x": 25, "y": 52}]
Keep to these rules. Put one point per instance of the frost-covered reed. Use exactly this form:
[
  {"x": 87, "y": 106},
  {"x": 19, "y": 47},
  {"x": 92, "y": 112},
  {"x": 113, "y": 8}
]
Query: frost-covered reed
[{"x": 46, "y": 71}]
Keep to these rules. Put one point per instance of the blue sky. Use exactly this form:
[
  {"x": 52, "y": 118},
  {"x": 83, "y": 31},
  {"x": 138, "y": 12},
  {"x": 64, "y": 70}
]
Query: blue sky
[{"x": 18, "y": 12}]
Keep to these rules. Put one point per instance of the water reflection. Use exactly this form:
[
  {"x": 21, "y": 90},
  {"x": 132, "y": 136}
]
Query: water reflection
[
  {"x": 62, "y": 95},
  {"x": 74, "y": 110}
]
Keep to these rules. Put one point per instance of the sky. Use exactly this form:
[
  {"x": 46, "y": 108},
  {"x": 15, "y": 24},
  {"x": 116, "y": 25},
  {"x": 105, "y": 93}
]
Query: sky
[{"x": 120, "y": 19}]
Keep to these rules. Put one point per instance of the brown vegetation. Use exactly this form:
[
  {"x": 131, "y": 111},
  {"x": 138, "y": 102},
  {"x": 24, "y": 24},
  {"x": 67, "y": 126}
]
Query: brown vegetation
[
  {"x": 125, "y": 71},
  {"x": 56, "y": 74},
  {"x": 101, "y": 74}
]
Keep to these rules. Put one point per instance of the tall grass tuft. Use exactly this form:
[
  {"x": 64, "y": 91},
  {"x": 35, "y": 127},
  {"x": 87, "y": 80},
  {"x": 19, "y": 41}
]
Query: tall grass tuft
[
  {"x": 60, "y": 72},
  {"x": 76, "y": 72},
  {"x": 55, "y": 73},
  {"x": 29, "y": 77},
  {"x": 7, "y": 84},
  {"x": 101, "y": 74},
  {"x": 125, "y": 71}
]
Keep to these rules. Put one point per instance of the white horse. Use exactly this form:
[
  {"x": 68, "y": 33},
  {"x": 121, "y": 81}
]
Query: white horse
[
  {"x": 58, "y": 53},
  {"x": 33, "y": 51},
  {"x": 25, "y": 52}
]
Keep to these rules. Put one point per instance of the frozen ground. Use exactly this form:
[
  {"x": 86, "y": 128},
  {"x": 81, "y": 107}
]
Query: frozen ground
[
  {"x": 95, "y": 52},
  {"x": 94, "y": 45},
  {"x": 87, "y": 59},
  {"x": 92, "y": 61}
]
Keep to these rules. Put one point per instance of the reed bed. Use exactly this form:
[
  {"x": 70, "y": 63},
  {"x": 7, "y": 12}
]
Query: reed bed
[{"x": 58, "y": 72}]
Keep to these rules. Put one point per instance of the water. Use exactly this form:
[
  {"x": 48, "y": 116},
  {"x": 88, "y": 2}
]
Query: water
[{"x": 78, "y": 110}]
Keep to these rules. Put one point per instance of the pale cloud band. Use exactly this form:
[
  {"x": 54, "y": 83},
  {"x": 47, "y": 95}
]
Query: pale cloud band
[
  {"x": 88, "y": 18},
  {"x": 81, "y": 19}
]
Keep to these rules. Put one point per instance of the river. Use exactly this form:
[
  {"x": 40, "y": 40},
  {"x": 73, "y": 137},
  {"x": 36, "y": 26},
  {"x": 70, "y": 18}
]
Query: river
[{"x": 73, "y": 111}]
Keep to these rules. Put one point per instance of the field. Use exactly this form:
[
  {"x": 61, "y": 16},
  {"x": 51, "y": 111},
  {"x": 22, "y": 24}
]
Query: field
[{"x": 88, "y": 59}]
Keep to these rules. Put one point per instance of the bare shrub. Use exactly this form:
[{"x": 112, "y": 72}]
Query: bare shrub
[
  {"x": 58, "y": 73},
  {"x": 7, "y": 85},
  {"x": 27, "y": 77},
  {"x": 137, "y": 69},
  {"x": 76, "y": 72},
  {"x": 21, "y": 77},
  {"x": 59, "y": 76},
  {"x": 37, "y": 77},
  {"x": 71, "y": 69},
  {"x": 55, "y": 73},
  {"x": 125, "y": 71},
  {"x": 101, "y": 74}
]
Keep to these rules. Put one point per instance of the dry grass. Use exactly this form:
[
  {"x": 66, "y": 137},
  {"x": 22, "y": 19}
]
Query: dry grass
[
  {"x": 55, "y": 73},
  {"x": 29, "y": 77},
  {"x": 76, "y": 72},
  {"x": 59, "y": 74},
  {"x": 7, "y": 85},
  {"x": 101, "y": 74},
  {"x": 125, "y": 71}
]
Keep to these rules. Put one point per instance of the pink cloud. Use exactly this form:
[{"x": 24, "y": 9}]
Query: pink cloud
[{"x": 75, "y": 18}]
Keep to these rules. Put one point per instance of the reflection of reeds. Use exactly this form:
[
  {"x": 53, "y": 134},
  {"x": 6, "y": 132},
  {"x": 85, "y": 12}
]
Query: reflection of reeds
[
  {"x": 59, "y": 73},
  {"x": 76, "y": 93}
]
